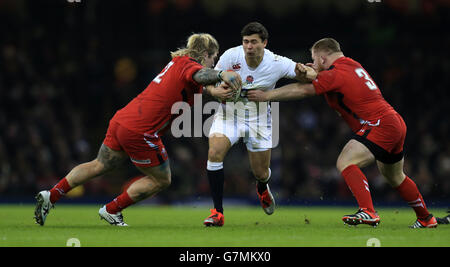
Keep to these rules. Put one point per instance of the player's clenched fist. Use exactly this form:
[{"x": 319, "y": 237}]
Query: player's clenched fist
[
  {"x": 305, "y": 73},
  {"x": 222, "y": 91},
  {"x": 231, "y": 78}
]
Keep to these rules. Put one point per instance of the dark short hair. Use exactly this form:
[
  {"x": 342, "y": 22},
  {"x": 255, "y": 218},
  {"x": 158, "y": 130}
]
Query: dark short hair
[
  {"x": 255, "y": 28},
  {"x": 329, "y": 45}
]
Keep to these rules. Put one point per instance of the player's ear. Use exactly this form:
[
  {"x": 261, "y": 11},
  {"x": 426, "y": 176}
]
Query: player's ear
[
  {"x": 265, "y": 43},
  {"x": 204, "y": 58}
]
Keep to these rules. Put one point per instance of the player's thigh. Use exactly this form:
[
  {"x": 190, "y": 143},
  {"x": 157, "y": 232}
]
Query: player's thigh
[
  {"x": 392, "y": 172},
  {"x": 109, "y": 158},
  {"x": 110, "y": 153},
  {"x": 354, "y": 153},
  {"x": 260, "y": 163},
  {"x": 219, "y": 144}
]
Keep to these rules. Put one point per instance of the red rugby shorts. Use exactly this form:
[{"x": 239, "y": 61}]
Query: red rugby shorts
[{"x": 144, "y": 151}]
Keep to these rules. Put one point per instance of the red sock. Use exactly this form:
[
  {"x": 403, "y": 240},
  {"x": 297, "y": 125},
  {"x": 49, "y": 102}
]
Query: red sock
[
  {"x": 357, "y": 182},
  {"x": 59, "y": 190},
  {"x": 410, "y": 193},
  {"x": 119, "y": 203}
]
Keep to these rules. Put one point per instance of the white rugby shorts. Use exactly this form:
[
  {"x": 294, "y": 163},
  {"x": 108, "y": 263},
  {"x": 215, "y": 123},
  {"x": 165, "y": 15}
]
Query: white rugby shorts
[{"x": 255, "y": 127}]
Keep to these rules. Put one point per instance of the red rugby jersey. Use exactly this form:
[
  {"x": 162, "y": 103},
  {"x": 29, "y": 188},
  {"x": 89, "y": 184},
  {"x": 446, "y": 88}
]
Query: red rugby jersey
[
  {"x": 350, "y": 90},
  {"x": 150, "y": 112}
]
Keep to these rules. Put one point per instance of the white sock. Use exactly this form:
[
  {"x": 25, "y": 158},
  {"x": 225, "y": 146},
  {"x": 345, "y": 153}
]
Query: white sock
[{"x": 214, "y": 166}]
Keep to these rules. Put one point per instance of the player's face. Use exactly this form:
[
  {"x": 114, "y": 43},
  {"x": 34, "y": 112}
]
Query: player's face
[
  {"x": 253, "y": 46},
  {"x": 318, "y": 61},
  {"x": 210, "y": 60}
]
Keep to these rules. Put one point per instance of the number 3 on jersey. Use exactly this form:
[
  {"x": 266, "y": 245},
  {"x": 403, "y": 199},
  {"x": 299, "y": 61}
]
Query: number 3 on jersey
[
  {"x": 363, "y": 74},
  {"x": 159, "y": 76}
]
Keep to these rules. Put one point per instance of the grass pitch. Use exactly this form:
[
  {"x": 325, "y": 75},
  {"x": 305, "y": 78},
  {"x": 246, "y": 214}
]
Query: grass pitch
[{"x": 175, "y": 226}]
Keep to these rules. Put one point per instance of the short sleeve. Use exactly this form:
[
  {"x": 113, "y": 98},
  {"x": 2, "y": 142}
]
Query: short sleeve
[
  {"x": 220, "y": 64},
  {"x": 326, "y": 81},
  {"x": 287, "y": 67},
  {"x": 224, "y": 61}
]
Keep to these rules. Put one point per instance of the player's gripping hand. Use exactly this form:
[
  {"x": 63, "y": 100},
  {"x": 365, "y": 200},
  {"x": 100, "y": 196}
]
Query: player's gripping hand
[
  {"x": 257, "y": 95},
  {"x": 222, "y": 91},
  {"x": 232, "y": 79},
  {"x": 305, "y": 73}
]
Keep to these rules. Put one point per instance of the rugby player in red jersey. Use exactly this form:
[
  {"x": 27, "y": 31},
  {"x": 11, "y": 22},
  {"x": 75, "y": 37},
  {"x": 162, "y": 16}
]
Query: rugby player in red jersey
[
  {"x": 379, "y": 131},
  {"x": 134, "y": 132}
]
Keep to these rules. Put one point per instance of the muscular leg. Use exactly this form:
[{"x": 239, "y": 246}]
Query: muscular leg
[
  {"x": 354, "y": 156},
  {"x": 219, "y": 145},
  {"x": 405, "y": 187},
  {"x": 157, "y": 179},
  {"x": 107, "y": 159},
  {"x": 393, "y": 173},
  {"x": 260, "y": 163},
  {"x": 354, "y": 153}
]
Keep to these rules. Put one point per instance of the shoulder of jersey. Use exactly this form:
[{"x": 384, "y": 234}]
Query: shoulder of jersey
[
  {"x": 273, "y": 56},
  {"x": 233, "y": 52}
]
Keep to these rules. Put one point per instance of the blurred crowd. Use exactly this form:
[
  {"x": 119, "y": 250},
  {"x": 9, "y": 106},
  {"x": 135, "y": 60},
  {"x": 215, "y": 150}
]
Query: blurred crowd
[{"x": 65, "y": 69}]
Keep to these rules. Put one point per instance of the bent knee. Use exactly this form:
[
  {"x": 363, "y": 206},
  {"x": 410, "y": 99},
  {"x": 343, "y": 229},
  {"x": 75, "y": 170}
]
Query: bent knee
[
  {"x": 98, "y": 167},
  {"x": 165, "y": 182},
  {"x": 394, "y": 177},
  {"x": 216, "y": 155},
  {"x": 261, "y": 174},
  {"x": 361, "y": 161},
  {"x": 342, "y": 164}
]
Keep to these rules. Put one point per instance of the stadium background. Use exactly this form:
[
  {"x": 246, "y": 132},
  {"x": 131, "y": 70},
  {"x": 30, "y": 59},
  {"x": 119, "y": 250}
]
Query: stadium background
[{"x": 65, "y": 68}]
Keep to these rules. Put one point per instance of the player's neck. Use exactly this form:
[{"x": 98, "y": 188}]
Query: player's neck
[
  {"x": 253, "y": 62},
  {"x": 335, "y": 56}
]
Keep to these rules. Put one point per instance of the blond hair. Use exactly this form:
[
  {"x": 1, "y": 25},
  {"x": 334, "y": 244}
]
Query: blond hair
[
  {"x": 328, "y": 45},
  {"x": 197, "y": 44}
]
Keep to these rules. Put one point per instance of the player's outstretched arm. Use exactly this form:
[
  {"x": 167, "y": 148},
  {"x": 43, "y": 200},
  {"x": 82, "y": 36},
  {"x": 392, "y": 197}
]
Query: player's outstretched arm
[
  {"x": 288, "y": 92},
  {"x": 207, "y": 76}
]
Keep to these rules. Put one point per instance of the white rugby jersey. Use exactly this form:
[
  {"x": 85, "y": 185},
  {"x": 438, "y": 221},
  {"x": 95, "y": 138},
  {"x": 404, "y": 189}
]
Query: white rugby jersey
[{"x": 264, "y": 77}]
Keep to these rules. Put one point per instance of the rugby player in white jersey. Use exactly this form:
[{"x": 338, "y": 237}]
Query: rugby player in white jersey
[{"x": 261, "y": 69}]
